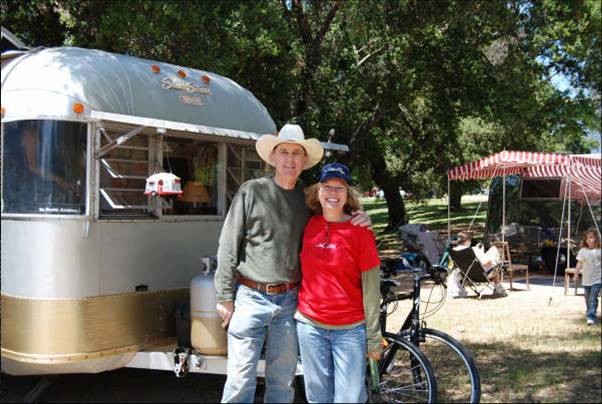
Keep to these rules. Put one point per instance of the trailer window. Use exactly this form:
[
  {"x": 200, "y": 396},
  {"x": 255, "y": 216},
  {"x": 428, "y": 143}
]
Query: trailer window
[
  {"x": 243, "y": 164},
  {"x": 44, "y": 167},
  {"x": 541, "y": 188},
  {"x": 196, "y": 163},
  {"x": 123, "y": 171}
]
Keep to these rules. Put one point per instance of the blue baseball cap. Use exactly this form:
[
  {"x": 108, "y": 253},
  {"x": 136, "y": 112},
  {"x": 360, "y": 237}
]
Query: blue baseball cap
[{"x": 335, "y": 170}]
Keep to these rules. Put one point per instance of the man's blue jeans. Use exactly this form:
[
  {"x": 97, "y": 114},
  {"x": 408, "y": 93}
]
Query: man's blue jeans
[
  {"x": 257, "y": 317},
  {"x": 591, "y": 294},
  {"x": 334, "y": 363}
]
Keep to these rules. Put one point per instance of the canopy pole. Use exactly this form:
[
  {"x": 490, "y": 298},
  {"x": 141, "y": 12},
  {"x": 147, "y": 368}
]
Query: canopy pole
[
  {"x": 504, "y": 205},
  {"x": 568, "y": 226},
  {"x": 448, "y": 210},
  {"x": 590, "y": 208},
  {"x": 559, "y": 244}
]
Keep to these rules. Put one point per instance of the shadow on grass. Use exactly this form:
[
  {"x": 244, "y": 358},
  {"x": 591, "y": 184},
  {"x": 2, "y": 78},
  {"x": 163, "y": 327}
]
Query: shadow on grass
[{"x": 512, "y": 374}]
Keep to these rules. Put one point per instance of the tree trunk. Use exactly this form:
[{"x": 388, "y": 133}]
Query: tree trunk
[
  {"x": 395, "y": 205},
  {"x": 390, "y": 187},
  {"x": 455, "y": 196}
]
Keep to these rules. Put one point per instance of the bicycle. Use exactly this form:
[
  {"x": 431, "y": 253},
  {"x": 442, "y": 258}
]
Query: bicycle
[
  {"x": 456, "y": 373},
  {"x": 405, "y": 374}
]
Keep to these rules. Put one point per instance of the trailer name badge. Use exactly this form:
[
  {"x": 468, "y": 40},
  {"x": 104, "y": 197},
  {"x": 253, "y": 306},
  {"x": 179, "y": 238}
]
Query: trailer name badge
[
  {"x": 192, "y": 88},
  {"x": 179, "y": 84}
]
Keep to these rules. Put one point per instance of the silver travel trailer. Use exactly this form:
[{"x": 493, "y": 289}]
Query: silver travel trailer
[{"x": 91, "y": 266}]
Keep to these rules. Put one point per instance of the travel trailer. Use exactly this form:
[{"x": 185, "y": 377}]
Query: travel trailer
[
  {"x": 92, "y": 268},
  {"x": 534, "y": 212}
]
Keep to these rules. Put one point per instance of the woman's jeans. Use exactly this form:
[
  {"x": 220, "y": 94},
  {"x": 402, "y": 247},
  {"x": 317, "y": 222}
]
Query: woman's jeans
[
  {"x": 591, "y": 294},
  {"x": 334, "y": 363},
  {"x": 258, "y": 316}
]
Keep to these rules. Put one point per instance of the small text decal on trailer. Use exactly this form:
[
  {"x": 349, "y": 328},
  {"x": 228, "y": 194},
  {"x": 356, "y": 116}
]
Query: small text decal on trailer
[{"x": 187, "y": 99}]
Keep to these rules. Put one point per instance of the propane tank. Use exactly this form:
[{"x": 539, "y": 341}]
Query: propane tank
[{"x": 206, "y": 333}]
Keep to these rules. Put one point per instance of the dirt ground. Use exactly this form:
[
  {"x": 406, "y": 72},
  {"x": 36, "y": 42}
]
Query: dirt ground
[{"x": 531, "y": 346}]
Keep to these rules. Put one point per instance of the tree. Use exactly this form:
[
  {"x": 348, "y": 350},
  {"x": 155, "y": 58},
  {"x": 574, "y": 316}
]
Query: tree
[
  {"x": 34, "y": 22},
  {"x": 413, "y": 87}
]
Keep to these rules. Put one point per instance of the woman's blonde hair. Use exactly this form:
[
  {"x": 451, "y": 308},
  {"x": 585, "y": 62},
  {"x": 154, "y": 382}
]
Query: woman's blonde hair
[
  {"x": 313, "y": 201},
  {"x": 589, "y": 231}
]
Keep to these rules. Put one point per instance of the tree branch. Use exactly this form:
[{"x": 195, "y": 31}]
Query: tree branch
[
  {"x": 375, "y": 117},
  {"x": 302, "y": 23},
  {"x": 327, "y": 22},
  {"x": 368, "y": 56}
]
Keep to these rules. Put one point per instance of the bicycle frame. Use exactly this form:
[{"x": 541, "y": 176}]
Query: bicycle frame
[
  {"x": 414, "y": 331},
  {"x": 412, "y": 321}
]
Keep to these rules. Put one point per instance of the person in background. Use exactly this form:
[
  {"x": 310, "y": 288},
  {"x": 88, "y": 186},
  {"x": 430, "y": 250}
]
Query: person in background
[
  {"x": 489, "y": 260},
  {"x": 338, "y": 310},
  {"x": 258, "y": 273},
  {"x": 588, "y": 261}
]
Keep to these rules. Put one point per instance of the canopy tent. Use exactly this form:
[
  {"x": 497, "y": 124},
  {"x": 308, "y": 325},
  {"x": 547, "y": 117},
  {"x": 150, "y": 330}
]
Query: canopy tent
[
  {"x": 582, "y": 172},
  {"x": 581, "y": 175}
]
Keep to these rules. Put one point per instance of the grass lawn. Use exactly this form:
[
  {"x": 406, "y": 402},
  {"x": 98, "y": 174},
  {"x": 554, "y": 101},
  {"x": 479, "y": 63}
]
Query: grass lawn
[
  {"x": 433, "y": 213},
  {"x": 531, "y": 346}
]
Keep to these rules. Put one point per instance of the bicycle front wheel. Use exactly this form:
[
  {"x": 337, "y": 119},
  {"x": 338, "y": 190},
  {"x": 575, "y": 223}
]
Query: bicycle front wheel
[
  {"x": 455, "y": 369},
  {"x": 405, "y": 374}
]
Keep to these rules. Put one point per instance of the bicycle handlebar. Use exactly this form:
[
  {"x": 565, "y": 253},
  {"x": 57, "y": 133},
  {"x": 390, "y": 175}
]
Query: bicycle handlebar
[{"x": 436, "y": 273}]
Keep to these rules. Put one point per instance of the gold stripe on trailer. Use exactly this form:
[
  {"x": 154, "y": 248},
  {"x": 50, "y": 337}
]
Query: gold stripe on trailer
[{"x": 60, "y": 330}]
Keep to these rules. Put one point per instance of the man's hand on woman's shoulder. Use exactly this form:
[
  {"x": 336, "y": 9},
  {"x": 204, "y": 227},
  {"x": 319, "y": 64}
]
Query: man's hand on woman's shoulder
[{"x": 361, "y": 218}]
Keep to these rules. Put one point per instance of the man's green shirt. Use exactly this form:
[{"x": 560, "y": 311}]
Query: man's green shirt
[{"x": 262, "y": 236}]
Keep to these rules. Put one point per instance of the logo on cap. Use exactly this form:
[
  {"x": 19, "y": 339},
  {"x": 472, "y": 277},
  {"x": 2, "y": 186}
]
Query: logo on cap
[{"x": 335, "y": 170}]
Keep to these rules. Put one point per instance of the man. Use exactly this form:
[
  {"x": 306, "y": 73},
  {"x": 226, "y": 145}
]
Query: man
[
  {"x": 259, "y": 249},
  {"x": 489, "y": 261}
]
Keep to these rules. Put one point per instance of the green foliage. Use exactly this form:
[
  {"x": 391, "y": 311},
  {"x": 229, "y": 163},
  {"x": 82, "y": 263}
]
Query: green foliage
[
  {"x": 35, "y": 22},
  {"x": 413, "y": 87}
]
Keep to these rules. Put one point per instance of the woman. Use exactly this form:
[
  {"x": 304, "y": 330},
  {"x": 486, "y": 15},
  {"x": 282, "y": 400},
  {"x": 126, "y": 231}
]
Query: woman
[{"x": 337, "y": 313}]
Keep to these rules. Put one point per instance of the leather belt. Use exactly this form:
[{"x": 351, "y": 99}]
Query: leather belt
[{"x": 269, "y": 288}]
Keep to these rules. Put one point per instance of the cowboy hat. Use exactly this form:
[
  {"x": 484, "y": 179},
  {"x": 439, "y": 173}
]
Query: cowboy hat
[{"x": 290, "y": 134}]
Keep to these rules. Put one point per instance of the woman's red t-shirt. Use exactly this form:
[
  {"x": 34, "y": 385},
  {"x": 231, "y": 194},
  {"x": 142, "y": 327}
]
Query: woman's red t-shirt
[{"x": 332, "y": 259}]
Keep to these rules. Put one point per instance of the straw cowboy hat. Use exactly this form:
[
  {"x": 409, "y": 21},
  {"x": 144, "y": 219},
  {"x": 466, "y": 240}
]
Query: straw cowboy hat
[{"x": 290, "y": 134}]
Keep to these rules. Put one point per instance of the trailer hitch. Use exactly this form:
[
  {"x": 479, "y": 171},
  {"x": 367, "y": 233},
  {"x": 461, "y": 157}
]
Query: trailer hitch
[{"x": 180, "y": 359}]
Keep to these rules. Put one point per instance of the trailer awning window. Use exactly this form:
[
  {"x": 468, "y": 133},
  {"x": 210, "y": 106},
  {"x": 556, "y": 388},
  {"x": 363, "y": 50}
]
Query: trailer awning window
[{"x": 123, "y": 171}]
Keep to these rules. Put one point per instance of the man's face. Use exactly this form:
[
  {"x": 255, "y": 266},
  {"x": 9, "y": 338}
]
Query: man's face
[{"x": 288, "y": 160}]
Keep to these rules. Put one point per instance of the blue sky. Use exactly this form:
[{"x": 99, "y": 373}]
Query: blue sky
[{"x": 562, "y": 83}]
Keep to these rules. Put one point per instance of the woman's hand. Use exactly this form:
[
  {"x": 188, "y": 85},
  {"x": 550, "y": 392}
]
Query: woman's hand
[{"x": 376, "y": 355}]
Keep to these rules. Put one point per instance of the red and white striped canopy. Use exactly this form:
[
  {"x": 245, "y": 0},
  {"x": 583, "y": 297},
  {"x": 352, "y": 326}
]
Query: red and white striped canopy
[{"x": 584, "y": 171}]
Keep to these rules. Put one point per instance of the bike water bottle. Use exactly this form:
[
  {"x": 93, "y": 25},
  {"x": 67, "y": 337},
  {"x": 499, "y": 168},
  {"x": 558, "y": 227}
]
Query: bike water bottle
[{"x": 374, "y": 382}]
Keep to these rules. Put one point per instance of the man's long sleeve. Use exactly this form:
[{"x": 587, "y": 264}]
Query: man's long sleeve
[{"x": 230, "y": 245}]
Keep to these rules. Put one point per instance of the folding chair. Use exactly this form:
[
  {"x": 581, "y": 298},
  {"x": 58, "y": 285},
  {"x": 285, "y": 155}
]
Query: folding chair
[
  {"x": 509, "y": 267},
  {"x": 473, "y": 273}
]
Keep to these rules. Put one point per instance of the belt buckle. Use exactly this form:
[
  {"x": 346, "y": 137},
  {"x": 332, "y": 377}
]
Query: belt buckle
[{"x": 272, "y": 285}]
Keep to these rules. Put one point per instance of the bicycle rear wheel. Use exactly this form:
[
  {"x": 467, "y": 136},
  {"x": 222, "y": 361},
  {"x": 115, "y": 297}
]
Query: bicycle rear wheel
[
  {"x": 455, "y": 369},
  {"x": 405, "y": 374}
]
